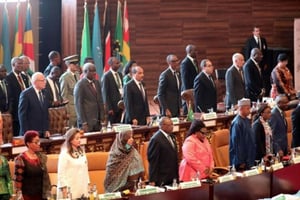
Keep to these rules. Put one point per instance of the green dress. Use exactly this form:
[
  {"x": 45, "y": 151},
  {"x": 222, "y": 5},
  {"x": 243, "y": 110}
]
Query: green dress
[{"x": 6, "y": 186}]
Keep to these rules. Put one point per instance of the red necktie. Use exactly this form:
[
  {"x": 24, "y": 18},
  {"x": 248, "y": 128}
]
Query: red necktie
[{"x": 20, "y": 82}]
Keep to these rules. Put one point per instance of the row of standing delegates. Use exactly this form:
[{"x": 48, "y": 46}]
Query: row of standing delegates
[{"x": 124, "y": 165}]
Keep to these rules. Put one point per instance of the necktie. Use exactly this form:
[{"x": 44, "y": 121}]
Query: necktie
[
  {"x": 195, "y": 64},
  {"x": 142, "y": 90},
  {"x": 177, "y": 80},
  {"x": 258, "y": 68},
  {"x": 212, "y": 81},
  {"x": 41, "y": 97},
  {"x": 119, "y": 84},
  {"x": 241, "y": 73},
  {"x": 75, "y": 77},
  {"x": 3, "y": 87},
  {"x": 93, "y": 88},
  {"x": 171, "y": 141},
  {"x": 259, "y": 42},
  {"x": 20, "y": 82},
  {"x": 56, "y": 91}
]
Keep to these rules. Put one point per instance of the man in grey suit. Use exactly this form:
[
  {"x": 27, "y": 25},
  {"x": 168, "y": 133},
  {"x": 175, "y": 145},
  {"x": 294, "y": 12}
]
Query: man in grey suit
[
  {"x": 234, "y": 79},
  {"x": 67, "y": 83},
  {"x": 169, "y": 89},
  {"x": 112, "y": 90},
  {"x": 88, "y": 100}
]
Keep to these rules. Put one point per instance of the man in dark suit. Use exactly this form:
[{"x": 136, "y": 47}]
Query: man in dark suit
[
  {"x": 33, "y": 107},
  {"x": 296, "y": 127},
  {"x": 169, "y": 89},
  {"x": 88, "y": 100},
  {"x": 188, "y": 70},
  {"x": 17, "y": 83},
  {"x": 135, "y": 99},
  {"x": 162, "y": 155},
  {"x": 54, "y": 60},
  {"x": 53, "y": 87},
  {"x": 112, "y": 90},
  {"x": 253, "y": 77},
  {"x": 205, "y": 93},
  {"x": 256, "y": 41},
  {"x": 235, "y": 86},
  {"x": 4, "y": 101},
  {"x": 278, "y": 124}
]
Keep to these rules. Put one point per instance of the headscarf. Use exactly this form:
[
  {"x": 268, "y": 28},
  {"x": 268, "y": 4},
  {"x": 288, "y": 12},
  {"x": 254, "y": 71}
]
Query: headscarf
[{"x": 122, "y": 162}]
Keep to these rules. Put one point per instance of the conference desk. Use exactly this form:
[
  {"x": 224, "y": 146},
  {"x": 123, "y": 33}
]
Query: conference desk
[{"x": 265, "y": 185}]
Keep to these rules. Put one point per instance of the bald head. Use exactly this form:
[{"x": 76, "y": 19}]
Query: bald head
[
  {"x": 38, "y": 81},
  {"x": 191, "y": 50}
]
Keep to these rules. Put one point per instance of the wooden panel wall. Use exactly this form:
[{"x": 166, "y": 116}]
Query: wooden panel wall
[{"x": 219, "y": 28}]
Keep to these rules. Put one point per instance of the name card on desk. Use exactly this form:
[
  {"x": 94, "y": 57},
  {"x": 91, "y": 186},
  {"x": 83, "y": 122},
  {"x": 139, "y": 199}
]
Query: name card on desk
[
  {"x": 150, "y": 190},
  {"x": 189, "y": 184},
  {"x": 123, "y": 127},
  {"x": 175, "y": 120},
  {"x": 210, "y": 123},
  {"x": 277, "y": 166},
  {"x": 296, "y": 160},
  {"x": 17, "y": 150},
  {"x": 251, "y": 172},
  {"x": 114, "y": 195},
  {"x": 226, "y": 178},
  {"x": 208, "y": 116}
]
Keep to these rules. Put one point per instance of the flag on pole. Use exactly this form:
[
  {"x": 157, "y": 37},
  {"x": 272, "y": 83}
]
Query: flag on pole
[
  {"x": 107, "y": 36},
  {"x": 96, "y": 43},
  {"x": 126, "y": 46},
  {"x": 18, "y": 41},
  {"x": 28, "y": 38},
  {"x": 85, "y": 37},
  {"x": 5, "y": 55},
  {"x": 118, "y": 43}
]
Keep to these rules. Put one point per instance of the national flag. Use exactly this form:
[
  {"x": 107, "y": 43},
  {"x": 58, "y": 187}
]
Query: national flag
[
  {"x": 96, "y": 43},
  {"x": 126, "y": 46},
  {"x": 18, "y": 41},
  {"x": 28, "y": 38},
  {"x": 85, "y": 37},
  {"x": 107, "y": 36},
  {"x": 118, "y": 34},
  {"x": 5, "y": 44}
]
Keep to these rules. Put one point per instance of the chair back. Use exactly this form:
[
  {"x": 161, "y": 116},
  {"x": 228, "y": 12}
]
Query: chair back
[
  {"x": 220, "y": 147},
  {"x": 7, "y": 129},
  {"x": 143, "y": 153},
  {"x": 58, "y": 119},
  {"x": 188, "y": 96}
]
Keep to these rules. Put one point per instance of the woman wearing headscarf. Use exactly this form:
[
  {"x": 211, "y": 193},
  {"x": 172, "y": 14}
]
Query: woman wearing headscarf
[
  {"x": 31, "y": 175},
  {"x": 197, "y": 154},
  {"x": 124, "y": 166},
  {"x": 263, "y": 132},
  {"x": 73, "y": 176}
]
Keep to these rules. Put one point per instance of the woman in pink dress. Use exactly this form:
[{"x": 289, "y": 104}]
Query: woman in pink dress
[{"x": 197, "y": 155}]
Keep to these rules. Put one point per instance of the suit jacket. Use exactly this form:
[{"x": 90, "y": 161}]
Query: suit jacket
[
  {"x": 14, "y": 94},
  {"x": 169, "y": 93},
  {"x": 205, "y": 93},
  {"x": 235, "y": 87},
  {"x": 296, "y": 127},
  {"x": 32, "y": 114},
  {"x": 51, "y": 94},
  {"x": 163, "y": 159},
  {"x": 251, "y": 43},
  {"x": 188, "y": 73},
  {"x": 135, "y": 105},
  {"x": 253, "y": 80},
  {"x": 89, "y": 104},
  {"x": 110, "y": 91},
  {"x": 279, "y": 130},
  {"x": 4, "y": 97}
]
